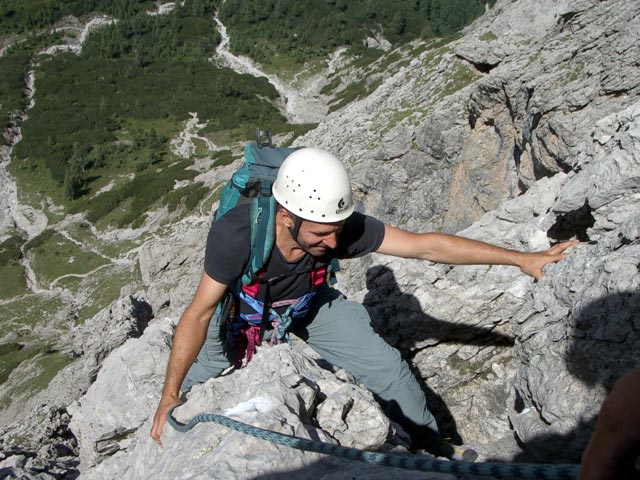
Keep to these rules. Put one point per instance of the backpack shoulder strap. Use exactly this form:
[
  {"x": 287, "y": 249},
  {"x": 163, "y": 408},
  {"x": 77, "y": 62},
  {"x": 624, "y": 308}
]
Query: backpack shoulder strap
[
  {"x": 263, "y": 163},
  {"x": 262, "y": 218}
]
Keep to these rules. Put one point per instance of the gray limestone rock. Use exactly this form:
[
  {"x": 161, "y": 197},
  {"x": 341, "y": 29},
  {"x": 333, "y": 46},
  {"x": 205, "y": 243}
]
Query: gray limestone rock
[
  {"x": 281, "y": 390},
  {"x": 522, "y": 134},
  {"x": 171, "y": 264},
  {"x": 123, "y": 396},
  {"x": 353, "y": 418},
  {"x": 565, "y": 151},
  {"x": 539, "y": 146}
]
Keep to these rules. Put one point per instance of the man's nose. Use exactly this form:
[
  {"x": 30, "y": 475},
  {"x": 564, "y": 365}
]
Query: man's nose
[{"x": 331, "y": 241}]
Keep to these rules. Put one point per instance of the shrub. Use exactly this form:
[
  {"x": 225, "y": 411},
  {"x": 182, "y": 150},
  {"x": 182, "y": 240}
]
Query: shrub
[
  {"x": 10, "y": 250},
  {"x": 39, "y": 240}
]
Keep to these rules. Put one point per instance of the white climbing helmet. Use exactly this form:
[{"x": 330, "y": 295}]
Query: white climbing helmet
[{"x": 315, "y": 186}]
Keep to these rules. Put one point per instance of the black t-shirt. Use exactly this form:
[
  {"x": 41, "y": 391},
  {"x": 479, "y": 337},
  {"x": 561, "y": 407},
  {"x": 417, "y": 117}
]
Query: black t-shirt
[{"x": 229, "y": 245}]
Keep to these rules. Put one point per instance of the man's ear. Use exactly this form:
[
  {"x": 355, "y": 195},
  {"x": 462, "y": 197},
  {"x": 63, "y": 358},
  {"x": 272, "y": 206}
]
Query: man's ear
[{"x": 284, "y": 217}]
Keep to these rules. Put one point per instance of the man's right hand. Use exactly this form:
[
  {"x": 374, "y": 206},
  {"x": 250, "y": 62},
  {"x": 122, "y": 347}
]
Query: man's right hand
[
  {"x": 188, "y": 338},
  {"x": 160, "y": 418}
]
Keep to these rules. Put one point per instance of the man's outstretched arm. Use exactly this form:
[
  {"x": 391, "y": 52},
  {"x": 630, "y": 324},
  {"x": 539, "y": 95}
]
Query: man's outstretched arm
[
  {"x": 187, "y": 341},
  {"x": 451, "y": 249}
]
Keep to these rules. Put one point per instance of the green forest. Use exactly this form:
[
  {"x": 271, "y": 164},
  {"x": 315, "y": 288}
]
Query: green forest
[
  {"x": 18, "y": 16},
  {"x": 288, "y": 23},
  {"x": 113, "y": 108},
  {"x": 305, "y": 30}
]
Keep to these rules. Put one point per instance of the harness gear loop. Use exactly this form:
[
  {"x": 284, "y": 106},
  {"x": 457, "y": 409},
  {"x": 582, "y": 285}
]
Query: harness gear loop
[{"x": 249, "y": 338}]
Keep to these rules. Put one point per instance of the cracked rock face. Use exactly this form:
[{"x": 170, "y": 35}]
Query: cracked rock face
[
  {"x": 542, "y": 148},
  {"x": 288, "y": 390},
  {"x": 540, "y": 145}
]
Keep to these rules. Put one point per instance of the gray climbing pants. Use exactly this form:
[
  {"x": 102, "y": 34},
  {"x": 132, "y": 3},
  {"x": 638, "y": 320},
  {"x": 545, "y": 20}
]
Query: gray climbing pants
[{"x": 340, "y": 331}]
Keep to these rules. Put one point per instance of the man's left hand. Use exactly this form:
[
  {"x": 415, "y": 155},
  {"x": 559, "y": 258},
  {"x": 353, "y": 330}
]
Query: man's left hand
[{"x": 532, "y": 263}]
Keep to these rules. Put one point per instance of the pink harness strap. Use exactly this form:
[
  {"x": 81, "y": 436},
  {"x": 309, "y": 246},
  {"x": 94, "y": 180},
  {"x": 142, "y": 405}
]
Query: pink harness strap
[{"x": 247, "y": 341}]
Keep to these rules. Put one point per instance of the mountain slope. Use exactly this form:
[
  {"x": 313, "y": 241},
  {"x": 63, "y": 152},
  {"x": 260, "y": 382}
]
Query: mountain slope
[{"x": 521, "y": 134}]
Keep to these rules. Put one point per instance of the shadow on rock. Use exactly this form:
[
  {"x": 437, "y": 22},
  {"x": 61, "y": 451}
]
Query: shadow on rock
[
  {"x": 409, "y": 324},
  {"x": 398, "y": 317},
  {"x": 333, "y": 468},
  {"x": 604, "y": 341}
]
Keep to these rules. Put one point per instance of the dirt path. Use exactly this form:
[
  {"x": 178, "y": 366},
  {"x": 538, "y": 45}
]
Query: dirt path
[
  {"x": 183, "y": 146},
  {"x": 301, "y": 104}
]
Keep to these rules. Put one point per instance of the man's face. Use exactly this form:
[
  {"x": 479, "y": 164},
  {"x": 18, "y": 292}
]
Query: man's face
[{"x": 318, "y": 239}]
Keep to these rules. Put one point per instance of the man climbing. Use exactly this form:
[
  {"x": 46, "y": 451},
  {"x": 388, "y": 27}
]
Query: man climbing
[{"x": 315, "y": 222}]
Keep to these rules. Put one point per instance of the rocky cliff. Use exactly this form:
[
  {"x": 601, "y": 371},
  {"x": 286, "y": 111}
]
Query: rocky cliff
[{"x": 524, "y": 132}]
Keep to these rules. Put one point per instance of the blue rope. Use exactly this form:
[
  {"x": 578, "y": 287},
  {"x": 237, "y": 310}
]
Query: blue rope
[{"x": 426, "y": 464}]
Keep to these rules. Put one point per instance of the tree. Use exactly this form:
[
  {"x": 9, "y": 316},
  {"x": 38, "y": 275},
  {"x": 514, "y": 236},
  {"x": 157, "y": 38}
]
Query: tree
[
  {"x": 75, "y": 178},
  {"x": 398, "y": 24}
]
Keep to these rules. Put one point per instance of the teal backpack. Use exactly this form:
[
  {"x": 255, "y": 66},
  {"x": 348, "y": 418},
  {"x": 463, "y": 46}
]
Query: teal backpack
[{"x": 252, "y": 183}]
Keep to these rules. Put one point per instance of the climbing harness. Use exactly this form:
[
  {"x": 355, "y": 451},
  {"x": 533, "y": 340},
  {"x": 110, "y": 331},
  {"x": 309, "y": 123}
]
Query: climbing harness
[
  {"x": 425, "y": 464},
  {"x": 246, "y": 329}
]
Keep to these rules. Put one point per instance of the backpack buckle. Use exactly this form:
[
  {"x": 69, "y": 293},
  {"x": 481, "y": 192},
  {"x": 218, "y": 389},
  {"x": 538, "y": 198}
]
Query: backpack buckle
[{"x": 261, "y": 135}]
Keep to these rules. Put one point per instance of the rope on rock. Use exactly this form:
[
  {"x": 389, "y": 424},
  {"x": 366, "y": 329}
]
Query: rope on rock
[{"x": 425, "y": 464}]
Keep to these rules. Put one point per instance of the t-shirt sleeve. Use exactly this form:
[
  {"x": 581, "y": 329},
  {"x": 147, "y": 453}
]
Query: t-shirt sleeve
[
  {"x": 362, "y": 234},
  {"x": 228, "y": 246}
]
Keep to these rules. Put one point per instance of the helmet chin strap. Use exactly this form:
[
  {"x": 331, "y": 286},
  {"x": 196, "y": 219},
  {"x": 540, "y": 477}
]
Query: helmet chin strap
[{"x": 295, "y": 229}]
